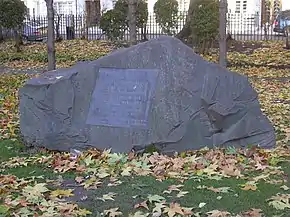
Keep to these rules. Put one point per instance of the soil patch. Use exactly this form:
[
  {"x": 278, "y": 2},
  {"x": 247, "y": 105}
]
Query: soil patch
[
  {"x": 245, "y": 46},
  {"x": 8, "y": 70}
]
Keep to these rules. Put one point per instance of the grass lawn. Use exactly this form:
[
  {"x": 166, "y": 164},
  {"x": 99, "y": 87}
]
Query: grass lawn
[{"x": 215, "y": 183}]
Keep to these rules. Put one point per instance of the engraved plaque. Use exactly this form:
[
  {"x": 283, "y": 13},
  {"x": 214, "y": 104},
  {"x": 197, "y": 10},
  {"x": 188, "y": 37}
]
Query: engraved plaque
[{"x": 122, "y": 97}]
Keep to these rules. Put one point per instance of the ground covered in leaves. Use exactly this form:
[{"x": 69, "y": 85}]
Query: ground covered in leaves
[{"x": 215, "y": 183}]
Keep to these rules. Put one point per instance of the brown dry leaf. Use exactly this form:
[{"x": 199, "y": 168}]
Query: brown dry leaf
[
  {"x": 173, "y": 188},
  {"x": 219, "y": 190},
  {"x": 216, "y": 190},
  {"x": 79, "y": 179},
  {"x": 187, "y": 211},
  {"x": 261, "y": 177},
  {"x": 218, "y": 213},
  {"x": 113, "y": 212},
  {"x": 259, "y": 166},
  {"x": 173, "y": 209},
  {"x": 142, "y": 205},
  {"x": 249, "y": 187},
  {"x": 182, "y": 194},
  {"x": 230, "y": 170},
  {"x": 275, "y": 181},
  {"x": 67, "y": 208},
  {"x": 252, "y": 213}
]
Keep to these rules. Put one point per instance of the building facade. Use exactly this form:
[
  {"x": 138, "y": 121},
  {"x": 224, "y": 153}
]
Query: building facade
[
  {"x": 244, "y": 6},
  {"x": 38, "y": 7},
  {"x": 285, "y": 4}
]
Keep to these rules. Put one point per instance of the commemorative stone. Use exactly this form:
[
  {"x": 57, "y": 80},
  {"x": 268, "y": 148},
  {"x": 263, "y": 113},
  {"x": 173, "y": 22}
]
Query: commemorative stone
[{"x": 157, "y": 92}]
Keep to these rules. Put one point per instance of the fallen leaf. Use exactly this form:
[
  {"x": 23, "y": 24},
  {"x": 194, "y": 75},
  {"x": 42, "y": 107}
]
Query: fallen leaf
[
  {"x": 285, "y": 188},
  {"x": 219, "y": 190},
  {"x": 84, "y": 198},
  {"x": 201, "y": 205},
  {"x": 155, "y": 198},
  {"x": 113, "y": 212},
  {"x": 109, "y": 196},
  {"x": 139, "y": 214},
  {"x": 142, "y": 205},
  {"x": 173, "y": 188},
  {"x": 218, "y": 213},
  {"x": 61, "y": 193},
  {"x": 79, "y": 179},
  {"x": 249, "y": 186},
  {"x": 279, "y": 205},
  {"x": 252, "y": 213},
  {"x": 36, "y": 190},
  {"x": 280, "y": 201},
  {"x": 182, "y": 193},
  {"x": 173, "y": 209},
  {"x": 158, "y": 207}
]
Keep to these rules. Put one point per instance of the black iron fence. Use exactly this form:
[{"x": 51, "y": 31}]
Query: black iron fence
[{"x": 241, "y": 26}]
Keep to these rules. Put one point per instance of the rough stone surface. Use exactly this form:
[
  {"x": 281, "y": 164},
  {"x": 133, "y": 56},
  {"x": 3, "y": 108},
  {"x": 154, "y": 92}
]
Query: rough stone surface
[{"x": 193, "y": 103}]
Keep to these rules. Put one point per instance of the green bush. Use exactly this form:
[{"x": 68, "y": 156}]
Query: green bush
[
  {"x": 114, "y": 22},
  {"x": 166, "y": 12},
  {"x": 141, "y": 11},
  {"x": 12, "y": 13},
  {"x": 205, "y": 23}
]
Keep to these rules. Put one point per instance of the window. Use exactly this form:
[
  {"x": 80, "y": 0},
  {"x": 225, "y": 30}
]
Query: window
[
  {"x": 70, "y": 7},
  {"x": 245, "y": 6},
  {"x": 241, "y": 6},
  {"x": 65, "y": 7},
  {"x": 183, "y": 4},
  {"x": 238, "y": 7}
]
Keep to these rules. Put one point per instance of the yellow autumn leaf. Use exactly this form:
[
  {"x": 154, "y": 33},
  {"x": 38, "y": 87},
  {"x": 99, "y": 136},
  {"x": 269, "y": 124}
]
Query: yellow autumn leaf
[{"x": 60, "y": 193}]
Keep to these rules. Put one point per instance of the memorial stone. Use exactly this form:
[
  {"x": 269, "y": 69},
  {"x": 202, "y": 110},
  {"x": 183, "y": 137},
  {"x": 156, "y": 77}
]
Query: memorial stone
[{"x": 157, "y": 92}]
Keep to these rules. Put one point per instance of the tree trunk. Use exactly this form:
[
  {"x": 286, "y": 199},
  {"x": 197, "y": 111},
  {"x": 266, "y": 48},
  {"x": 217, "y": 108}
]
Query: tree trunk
[
  {"x": 185, "y": 33},
  {"x": 1, "y": 34},
  {"x": 17, "y": 39},
  {"x": 287, "y": 35},
  {"x": 266, "y": 32},
  {"x": 57, "y": 26},
  {"x": 132, "y": 5},
  {"x": 50, "y": 35},
  {"x": 144, "y": 32},
  {"x": 223, "y": 34},
  {"x": 85, "y": 27}
]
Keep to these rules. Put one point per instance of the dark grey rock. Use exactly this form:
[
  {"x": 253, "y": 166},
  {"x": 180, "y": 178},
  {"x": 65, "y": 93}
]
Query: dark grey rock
[{"x": 185, "y": 103}]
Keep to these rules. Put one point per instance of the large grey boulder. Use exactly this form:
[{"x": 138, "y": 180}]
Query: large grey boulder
[{"x": 169, "y": 96}]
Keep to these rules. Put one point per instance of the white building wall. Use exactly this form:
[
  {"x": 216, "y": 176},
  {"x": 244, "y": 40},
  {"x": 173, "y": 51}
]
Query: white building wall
[
  {"x": 244, "y": 15},
  {"x": 285, "y": 5},
  {"x": 38, "y": 7},
  {"x": 106, "y": 5},
  {"x": 252, "y": 6}
]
